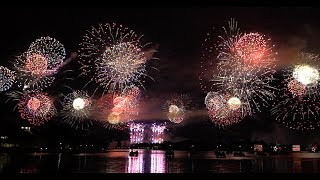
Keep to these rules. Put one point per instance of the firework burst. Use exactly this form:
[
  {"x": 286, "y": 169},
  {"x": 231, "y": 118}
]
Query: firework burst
[
  {"x": 176, "y": 107},
  {"x": 103, "y": 112},
  {"x": 36, "y": 66},
  {"x": 298, "y": 105},
  {"x": 223, "y": 109},
  {"x": 253, "y": 48},
  {"x": 36, "y": 107},
  {"x": 76, "y": 108},
  {"x": 252, "y": 86},
  {"x": 115, "y": 55},
  {"x": 115, "y": 111},
  {"x": 244, "y": 68},
  {"x": 7, "y": 78}
]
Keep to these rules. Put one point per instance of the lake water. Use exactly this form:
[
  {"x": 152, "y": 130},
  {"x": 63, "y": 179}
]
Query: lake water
[{"x": 154, "y": 161}]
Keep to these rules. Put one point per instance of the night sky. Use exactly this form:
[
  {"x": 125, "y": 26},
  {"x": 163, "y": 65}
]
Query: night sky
[{"x": 179, "y": 33}]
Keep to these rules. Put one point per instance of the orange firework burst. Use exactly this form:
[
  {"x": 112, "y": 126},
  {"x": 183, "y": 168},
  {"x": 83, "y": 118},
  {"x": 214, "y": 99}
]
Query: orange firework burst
[
  {"x": 116, "y": 110},
  {"x": 37, "y": 64}
]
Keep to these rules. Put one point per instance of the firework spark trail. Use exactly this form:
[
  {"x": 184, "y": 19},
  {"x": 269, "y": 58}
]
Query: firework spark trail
[
  {"x": 116, "y": 57},
  {"x": 298, "y": 104}
]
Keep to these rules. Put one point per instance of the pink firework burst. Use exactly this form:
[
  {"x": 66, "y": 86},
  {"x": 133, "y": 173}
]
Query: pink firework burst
[
  {"x": 220, "y": 111},
  {"x": 296, "y": 88},
  {"x": 36, "y": 107}
]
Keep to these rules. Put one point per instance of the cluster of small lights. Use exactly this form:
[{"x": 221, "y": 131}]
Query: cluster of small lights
[
  {"x": 76, "y": 108},
  {"x": 157, "y": 133},
  {"x": 36, "y": 66},
  {"x": 115, "y": 55},
  {"x": 136, "y": 133},
  {"x": 176, "y": 107},
  {"x": 298, "y": 105},
  {"x": 36, "y": 107},
  {"x": 7, "y": 78}
]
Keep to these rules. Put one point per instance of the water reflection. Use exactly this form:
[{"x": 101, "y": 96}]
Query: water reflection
[
  {"x": 146, "y": 162},
  {"x": 158, "y": 162},
  {"x": 151, "y": 161},
  {"x": 135, "y": 164}
]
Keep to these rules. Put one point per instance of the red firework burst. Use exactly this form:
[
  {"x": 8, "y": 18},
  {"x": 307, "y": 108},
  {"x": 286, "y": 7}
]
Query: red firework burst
[
  {"x": 251, "y": 47},
  {"x": 36, "y": 107}
]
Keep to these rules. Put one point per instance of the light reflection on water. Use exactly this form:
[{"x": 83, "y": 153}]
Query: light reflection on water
[
  {"x": 135, "y": 165},
  {"x": 158, "y": 161},
  {"x": 154, "y": 161}
]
